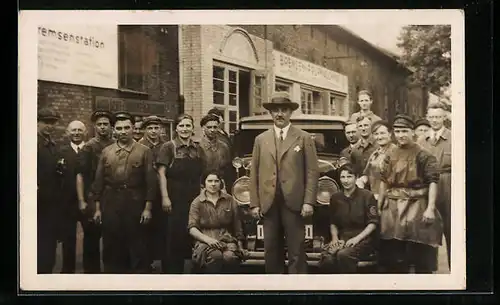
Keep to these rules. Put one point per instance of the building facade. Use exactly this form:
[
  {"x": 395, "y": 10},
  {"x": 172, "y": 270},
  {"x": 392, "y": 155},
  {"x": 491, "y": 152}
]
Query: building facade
[
  {"x": 236, "y": 68},
  {"x": 146, "y": 80}
]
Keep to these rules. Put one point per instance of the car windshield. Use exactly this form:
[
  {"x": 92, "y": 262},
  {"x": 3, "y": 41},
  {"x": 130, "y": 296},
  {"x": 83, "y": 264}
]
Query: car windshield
[{"x": 327, "y": 141}]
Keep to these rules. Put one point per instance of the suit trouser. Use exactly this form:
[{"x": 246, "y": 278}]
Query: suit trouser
[
  {"x": 46, "y": 241},
  {"x": 444, "y": 207},
  {"x": 282, "y": 224},
  {"x": 91, "y": 247}
]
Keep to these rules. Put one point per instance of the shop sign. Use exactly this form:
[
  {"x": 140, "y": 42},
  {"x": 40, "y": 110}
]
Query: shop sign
[{"x": 291, "y": 68}]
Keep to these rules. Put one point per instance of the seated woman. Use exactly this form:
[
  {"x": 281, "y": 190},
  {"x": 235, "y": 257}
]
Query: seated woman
[
  {"x": 353, "y": 224},
  {"x": 215, "y": 225}
]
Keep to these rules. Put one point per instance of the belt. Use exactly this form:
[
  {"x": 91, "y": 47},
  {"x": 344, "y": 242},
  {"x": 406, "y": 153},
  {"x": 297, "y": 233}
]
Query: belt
[
  {"x": 406, "y": 193},
  {"x": 122, "y": 186}
]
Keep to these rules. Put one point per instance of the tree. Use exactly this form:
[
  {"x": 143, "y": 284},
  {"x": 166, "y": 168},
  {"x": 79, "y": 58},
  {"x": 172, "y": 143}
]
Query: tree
[{"x": 426, "y": 50}]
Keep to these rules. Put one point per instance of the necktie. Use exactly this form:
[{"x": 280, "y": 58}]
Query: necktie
[
  {"x": 434, "y": 139},
  {"x": 77, "y": 150}
]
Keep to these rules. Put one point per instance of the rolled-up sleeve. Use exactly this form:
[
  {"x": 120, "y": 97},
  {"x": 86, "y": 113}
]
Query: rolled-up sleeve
[
  {"x": 98, "y": 184},
  {"x": 237, "y": 227},
  {"x": 385, "y": 168},
  {"x": 165, "y": 155},
  {"x": 429, "y": 167},
  {"x": 194, "y": 215},
  {"x": 371, "y": 210}
]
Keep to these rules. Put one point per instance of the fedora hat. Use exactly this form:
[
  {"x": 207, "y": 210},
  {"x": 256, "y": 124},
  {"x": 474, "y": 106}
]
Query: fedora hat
[{"x": 280, "y": 99}]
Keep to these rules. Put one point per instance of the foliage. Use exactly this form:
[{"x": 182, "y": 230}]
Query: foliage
[{"x": 427, "y": 51}]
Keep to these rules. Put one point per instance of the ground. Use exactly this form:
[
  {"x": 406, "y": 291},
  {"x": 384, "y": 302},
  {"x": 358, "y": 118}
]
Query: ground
[{"x": 442, "y": 263}]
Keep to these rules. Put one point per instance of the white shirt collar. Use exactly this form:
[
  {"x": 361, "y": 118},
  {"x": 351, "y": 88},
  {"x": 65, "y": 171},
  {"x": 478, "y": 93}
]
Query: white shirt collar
[
  {"x": 285, "y": 131},
  {"x": 75, "y": 147},
  {"x": 437, "y": 134}
]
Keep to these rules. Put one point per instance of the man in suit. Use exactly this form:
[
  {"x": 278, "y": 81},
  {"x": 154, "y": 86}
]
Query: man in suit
[
  {"x": 49, "y": 165},
  {"x": 438, "y": 142},
  {"x": 284, "y": 177},
  {"x": 70, "y": 213}
]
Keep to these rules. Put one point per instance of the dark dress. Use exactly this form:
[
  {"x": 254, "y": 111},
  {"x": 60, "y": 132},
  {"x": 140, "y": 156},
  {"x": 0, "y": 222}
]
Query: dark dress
[
  {"x": 351, "y": 215},
  {"x": 183, "y": 171}
]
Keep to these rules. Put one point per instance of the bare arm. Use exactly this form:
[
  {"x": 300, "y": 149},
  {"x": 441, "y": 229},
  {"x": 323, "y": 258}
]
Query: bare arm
[
  {"x": 162, "y": 179},
  {"x": 334, "y": 232},
  {"x": 433, "y": 189},
  {"x": 381, "y": 194},
  {"x": 80, "y": 187},
  {"x": 366, "y": 232}
]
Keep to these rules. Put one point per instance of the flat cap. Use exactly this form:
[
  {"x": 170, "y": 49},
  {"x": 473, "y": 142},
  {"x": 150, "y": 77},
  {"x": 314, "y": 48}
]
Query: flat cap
[
  {"x": 123, "y": 115},
  {"x": 280, "y": 99},
  {"x": 100, "y": 114},
  {"x": 152, "y": 119},
  {"x": 216, "y": 111},
  {"x": 47, "y": 114},
  {"x": 209, "y": 117},
  {"x": 379, "y": 123},
  {"x": 422, "y": 121},
  {"x": 403, "y": 121}
]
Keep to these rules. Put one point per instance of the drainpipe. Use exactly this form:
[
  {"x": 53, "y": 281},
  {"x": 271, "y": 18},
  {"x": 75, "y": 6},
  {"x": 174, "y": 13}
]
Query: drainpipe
[{"x": 181, "y": 68}]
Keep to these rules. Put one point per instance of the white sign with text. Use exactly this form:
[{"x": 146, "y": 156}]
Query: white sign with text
[
  {"x": 79, "y": 54},
  {"x": 295, "y": 69}
]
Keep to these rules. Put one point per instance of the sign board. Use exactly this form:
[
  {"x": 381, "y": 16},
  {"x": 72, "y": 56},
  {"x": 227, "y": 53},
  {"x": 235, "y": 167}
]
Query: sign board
[
  {"x": 79, "y": 54},
  {"x": 136, "y": 107},
  {"x": 291, "y": 68}
]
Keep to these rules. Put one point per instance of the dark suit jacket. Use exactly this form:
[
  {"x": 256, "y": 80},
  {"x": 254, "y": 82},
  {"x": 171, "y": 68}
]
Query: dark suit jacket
[
  {"x": 298, "y": 170},
  {"x": 69, "y": 196}
]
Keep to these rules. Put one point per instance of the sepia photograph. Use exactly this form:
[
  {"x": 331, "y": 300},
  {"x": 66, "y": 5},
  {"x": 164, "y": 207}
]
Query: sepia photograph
[{"x": 272, "y": 149}]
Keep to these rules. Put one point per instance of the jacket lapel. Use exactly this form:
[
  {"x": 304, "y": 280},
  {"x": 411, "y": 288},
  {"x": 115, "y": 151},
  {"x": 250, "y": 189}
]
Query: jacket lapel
[
  {"x": 270, "y": 142},
  {"x": 289, "y": 140}
]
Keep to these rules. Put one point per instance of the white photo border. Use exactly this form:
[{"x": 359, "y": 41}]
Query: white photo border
[{"x": 29, "y": 280}]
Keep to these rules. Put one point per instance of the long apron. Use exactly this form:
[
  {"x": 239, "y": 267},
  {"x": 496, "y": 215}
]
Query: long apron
[{"x": 183, "y": 185}]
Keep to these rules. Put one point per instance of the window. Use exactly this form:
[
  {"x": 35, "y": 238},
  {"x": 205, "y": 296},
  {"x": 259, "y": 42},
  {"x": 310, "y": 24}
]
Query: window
[
  {"x": 258, "y": 91},
  {"x": 306, "y": 101},
  {"x": 226, "y": 93},
  {"x": 137, "y": 57},
  {"x": 338, "y": 105},
  {"x": 282, "y": 87}
]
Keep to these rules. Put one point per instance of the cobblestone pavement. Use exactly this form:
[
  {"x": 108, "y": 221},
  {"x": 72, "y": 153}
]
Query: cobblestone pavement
[{"x": 442, "y": 259}]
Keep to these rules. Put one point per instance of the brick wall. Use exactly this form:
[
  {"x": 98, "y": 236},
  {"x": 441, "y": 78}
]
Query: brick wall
[
  {"x": 156, "y": 64},
  {"x": 312, "y": 43}
]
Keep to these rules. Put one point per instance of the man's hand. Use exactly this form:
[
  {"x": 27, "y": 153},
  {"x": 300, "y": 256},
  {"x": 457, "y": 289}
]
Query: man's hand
[
  {"x": 256, "y": 213},
  {"x": 166, "y": 204},
  {"x": 97, "y": 217},
  {"x": 429, "y": 216},
  {"x": 307, "y": 210},
  {"x": 82, "y": 205},
  {"x": 352, "y": 242},
  {"x": 146, "y": 216}
]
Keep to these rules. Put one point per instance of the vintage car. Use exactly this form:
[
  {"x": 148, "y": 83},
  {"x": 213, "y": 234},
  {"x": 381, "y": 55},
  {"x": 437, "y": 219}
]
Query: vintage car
[{"x": 328, "y": 134}]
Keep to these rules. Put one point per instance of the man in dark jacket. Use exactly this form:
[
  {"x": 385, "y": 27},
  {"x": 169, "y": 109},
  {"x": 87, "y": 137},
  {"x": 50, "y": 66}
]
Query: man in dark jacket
[
  {"x": 49, "y": 168},
  {"x": 70, "y": 213},
  {"x": 85, "y": 173}
]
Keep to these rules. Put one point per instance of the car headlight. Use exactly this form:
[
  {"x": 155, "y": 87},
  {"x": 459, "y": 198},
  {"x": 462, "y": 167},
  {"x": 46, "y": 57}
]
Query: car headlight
[
  {"x": 241, "y": 190},
  {"x": 326, "y": 188}
]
